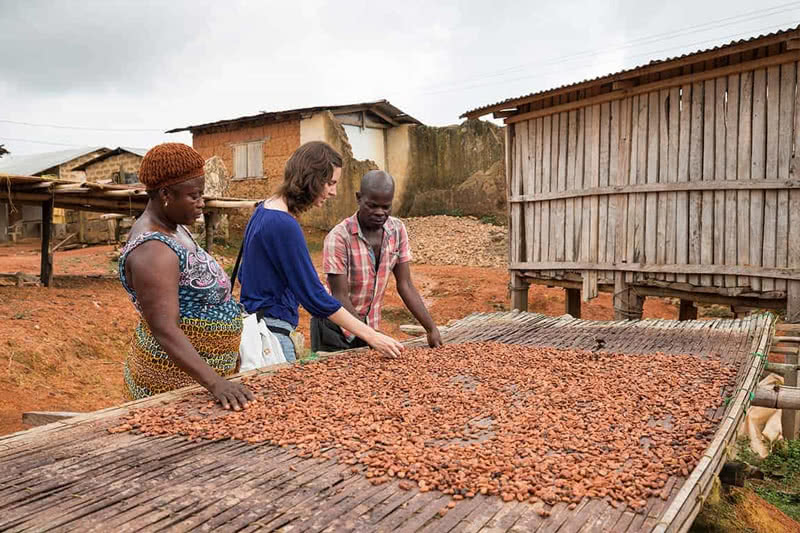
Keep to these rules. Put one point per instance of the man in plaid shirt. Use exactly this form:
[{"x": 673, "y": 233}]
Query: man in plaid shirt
[{"x": 358, "y": 256}]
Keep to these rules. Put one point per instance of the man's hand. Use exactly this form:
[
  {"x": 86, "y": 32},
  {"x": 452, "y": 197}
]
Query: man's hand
[{"x": 434, "y": 339}]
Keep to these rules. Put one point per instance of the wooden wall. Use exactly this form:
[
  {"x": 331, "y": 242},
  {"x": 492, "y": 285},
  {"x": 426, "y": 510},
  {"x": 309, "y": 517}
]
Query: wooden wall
[{"x": 693, "y": 183}]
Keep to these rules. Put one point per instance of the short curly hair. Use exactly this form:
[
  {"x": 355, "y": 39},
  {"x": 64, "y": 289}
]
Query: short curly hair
[{"x": 307, "y": 171}]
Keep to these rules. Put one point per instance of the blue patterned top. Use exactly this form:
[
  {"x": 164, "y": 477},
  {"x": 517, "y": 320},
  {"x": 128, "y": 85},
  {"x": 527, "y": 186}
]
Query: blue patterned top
[{"x": 204, "y": 289}]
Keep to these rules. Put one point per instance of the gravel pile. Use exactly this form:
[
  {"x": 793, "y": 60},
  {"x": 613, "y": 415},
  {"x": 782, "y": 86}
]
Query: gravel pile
[
  {"x": 520, "y": 423},
  {"x": 466, "y": 241}
]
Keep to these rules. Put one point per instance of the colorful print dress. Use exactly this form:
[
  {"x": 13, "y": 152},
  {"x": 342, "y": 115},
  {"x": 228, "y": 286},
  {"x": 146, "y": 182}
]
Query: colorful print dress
[{"x": 209, "y": 317}]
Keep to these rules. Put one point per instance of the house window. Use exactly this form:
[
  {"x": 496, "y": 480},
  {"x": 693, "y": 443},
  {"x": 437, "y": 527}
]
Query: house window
[{"x": 247, "y": 160}]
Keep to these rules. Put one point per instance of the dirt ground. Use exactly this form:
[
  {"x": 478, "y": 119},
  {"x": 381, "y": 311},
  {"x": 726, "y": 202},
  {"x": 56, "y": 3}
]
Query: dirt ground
[{"x": 63, "y": 347}]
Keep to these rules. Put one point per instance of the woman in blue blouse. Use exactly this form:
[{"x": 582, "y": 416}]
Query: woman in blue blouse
[{"x": 277, "y": 273}]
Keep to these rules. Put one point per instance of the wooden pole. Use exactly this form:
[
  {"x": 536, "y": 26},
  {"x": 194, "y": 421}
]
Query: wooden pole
[
  {"x": 519, "y": 292},
  {"x": 210, "y": 220},
  {"x": 628, "y": 305},
  {"x": 572, "y": 301},
  {"x": 793, "y": 302},
  {"x": 46, "y": 272},
  {"x": 777, "y": 397},
  {"x": 687, "y": 311}
]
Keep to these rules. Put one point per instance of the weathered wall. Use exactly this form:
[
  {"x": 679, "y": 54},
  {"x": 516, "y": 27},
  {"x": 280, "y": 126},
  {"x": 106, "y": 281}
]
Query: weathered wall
[
  {"x": 65, "y": 172},
  {"x": 281, "y": 139},
  {"x": 454, "y": 169},
  {"x": 106, "y": 168},
  {"x": 367, "y": 143}
]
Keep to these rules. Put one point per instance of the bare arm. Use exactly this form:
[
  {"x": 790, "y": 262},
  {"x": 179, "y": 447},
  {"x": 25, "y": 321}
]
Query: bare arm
[
  {"x": 383, "y": 343},
  {"x": 155, "y": 273},
  {"x": 411, "y": 298},
  {"x": 340, "y": 289}
]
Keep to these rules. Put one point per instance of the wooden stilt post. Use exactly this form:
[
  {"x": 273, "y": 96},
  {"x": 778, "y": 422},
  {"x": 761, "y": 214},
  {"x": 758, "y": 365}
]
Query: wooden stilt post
[
  {"x": 572, "y": 301},
  {"x": 627, "y": 304},
  {"x": 519, "y": 292},
  {"x": 687, "y": 311},
  {"x": 210, "y": 219},
  {"x": 793, "y": 302},
  {"x": 46, "y": 273}
]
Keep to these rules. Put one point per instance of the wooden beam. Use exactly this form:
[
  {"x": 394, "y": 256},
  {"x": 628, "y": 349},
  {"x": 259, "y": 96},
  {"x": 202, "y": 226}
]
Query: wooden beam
[
  {"x": 793, "y": 44},
  {"x": 385, "y": 117},
  {"x": 519, "y": 293},
  {"x": 737, "y": 270},
  {"x": 724, "y": 185},
  {"x": 627, "y": 301},
  {"x": 765, "y": 62},
  {"x": 46, "y": 271}
]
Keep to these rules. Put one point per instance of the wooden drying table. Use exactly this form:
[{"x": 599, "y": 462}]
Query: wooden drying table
[{"x": 74, "y": 475}]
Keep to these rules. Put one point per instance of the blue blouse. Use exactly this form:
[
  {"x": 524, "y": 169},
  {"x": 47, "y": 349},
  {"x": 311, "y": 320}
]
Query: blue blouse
[{"x": 277, "y": 273}]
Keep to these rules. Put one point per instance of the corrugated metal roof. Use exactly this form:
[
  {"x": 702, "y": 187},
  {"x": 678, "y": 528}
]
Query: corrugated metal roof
[
  {"x": 32, "y": 164},
  {"x": 382, "y": 106},
  {"x": 480, "y": 111},
  {"x": 116, "y": 151}
]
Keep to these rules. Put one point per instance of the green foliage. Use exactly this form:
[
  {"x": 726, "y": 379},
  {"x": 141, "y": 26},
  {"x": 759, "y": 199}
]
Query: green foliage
[
  {"x": 788, "y": 502},
  {"x": 490, "y": 219},
  {"x": 781, "y": 469},
  {"x": 784, "y": 461}
]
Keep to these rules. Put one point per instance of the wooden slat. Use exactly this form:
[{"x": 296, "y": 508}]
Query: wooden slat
[
  {"x": 615, "y": 146},
  {"x": 554, "y": 226},
  {"x": 536, "y": 151},
  {"x": 695, "y": 174},
  {"x": 569, "y": 222},
  {"x": 604, "y": 248},
  {"x": 720, "y": 150},
  {"x": 560, "y": 205},
  {"x": 793, "y": 252},
  {"x": 757, "y": 169},
  {"x": 707, "y": 198},
  {"x": 772, "y": 125},
  {"x": 623, "y": 174},
  {"x": 672, "y": 176},
  {"x": 731, "y": 170},
  {"x": 682, "y": 225},
  {"x": 663, "y": 176},
  {"x": 640, "y": 200},
  {"x": 525, "y": 179},
  {"x": 594, "y": 206},
  {"x": 791, "y": 273},
  {"x": 586, "y": 222},
  {"x": 744, "y": 163},
  {"x": 547, "y": 180},
  {"x": 579, "y": 163},
  {"x": 786, "y": 115},
  {"x": 651, "y": 200},
  {"x": 515, "y": 234}
]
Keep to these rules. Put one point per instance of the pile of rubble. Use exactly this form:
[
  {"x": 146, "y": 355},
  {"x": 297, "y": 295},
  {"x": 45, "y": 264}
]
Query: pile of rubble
[{"x": 465, "y": 241}]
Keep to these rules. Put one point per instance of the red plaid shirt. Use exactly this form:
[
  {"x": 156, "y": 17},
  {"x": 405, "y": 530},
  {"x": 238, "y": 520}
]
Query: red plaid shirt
[{"x": 346, "y": 251}]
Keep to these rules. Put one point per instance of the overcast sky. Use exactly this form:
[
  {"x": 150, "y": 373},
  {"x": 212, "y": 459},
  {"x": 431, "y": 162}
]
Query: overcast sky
[{"x": 154, "y": 65}]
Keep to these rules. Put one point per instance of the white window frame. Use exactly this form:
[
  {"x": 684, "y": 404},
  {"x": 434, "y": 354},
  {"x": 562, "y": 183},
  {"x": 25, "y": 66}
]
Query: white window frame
[{"x": 250, "y": 165}]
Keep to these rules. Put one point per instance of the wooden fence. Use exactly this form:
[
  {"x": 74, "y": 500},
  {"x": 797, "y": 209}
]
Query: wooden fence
[{"x": 690, "y": 182}]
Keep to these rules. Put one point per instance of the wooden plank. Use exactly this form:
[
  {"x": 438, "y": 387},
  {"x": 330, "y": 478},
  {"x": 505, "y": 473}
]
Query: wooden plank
[
  {"x": 731, "y": 171},
  {"x": 785, "y": 143},
  {"x": 46, "y": 272},
  {"x": 515, "y": 233},
  {"x": 594, "y": 206},
  {"x": 744, "y": 163},
  {"x": 523, "y": 139},
  {"x": 569, "y": 222},
  {"x": 613, "y": 177},
  {"x": 672, "y": 176},
  {"x": 508, "y": 139},
  {"x": 707, "y": 240},
  {"x": 633, "y": 162},
  {"x": 645, "y": 268},
  {"x": 720, "y": 151},
  {"x": 648, "y": 188},
  {"x": 758, "y": 137},
  {"x": 561, "y": 206},
  {"x": 772, "y": 125},
  {"x": 588, "y": 140},
  {"x": 537, "y": 187},
  {"x": 604, "y": 247},
  {"x": 793, "y": 251},
  {"x": 40, "y": 418},
  {"x": 695, "y": 174},
  {"x": 682, "y": 224},
  {"x": 547, "y": 151},
  {"x": 641, "y": 177},
  {"x": 554, "y": 226},
  {"x": 658, "y": 85},
  {"x": 663, "y": 176},
  {"x": 651, "y": 200},
  {"x": 578, "y": 185},
  {"x": 621, "y": 178}
]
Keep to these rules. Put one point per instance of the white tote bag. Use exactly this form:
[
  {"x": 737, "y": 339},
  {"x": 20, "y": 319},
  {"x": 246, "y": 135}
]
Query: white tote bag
[{"x": 259, "y": 347}]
